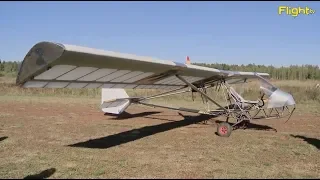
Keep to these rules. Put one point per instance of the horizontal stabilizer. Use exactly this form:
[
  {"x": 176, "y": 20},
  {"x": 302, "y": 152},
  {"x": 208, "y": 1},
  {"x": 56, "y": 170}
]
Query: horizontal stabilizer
[{"x": 114, "y": 101}]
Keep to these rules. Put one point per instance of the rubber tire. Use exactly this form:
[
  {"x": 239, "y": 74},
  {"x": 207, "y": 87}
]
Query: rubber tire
[{"x": 227, "y": 127}]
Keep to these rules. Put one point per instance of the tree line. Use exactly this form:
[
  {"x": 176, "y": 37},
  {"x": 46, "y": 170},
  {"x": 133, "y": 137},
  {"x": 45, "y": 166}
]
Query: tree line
[
  {"x": 293, "y": 72},
  {"x": 9, "y": 67}
]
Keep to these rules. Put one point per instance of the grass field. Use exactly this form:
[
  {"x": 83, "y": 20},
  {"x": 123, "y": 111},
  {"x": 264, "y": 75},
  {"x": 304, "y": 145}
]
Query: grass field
[{"x": 62, "y": 133}]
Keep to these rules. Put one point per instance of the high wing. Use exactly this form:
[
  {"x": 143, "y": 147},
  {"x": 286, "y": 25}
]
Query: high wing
[{"x": 54, "y": 65}]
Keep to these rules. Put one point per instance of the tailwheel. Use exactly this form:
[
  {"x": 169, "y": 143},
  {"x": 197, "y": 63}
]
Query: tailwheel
[{"x": 224, "y": 129}]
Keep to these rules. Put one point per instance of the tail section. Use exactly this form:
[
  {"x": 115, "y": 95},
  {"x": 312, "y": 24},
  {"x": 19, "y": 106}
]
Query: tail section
[{"x": 114, "y": 101}]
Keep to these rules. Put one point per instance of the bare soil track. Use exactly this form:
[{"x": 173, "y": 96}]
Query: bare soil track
[{"x": 58, "y": 140}]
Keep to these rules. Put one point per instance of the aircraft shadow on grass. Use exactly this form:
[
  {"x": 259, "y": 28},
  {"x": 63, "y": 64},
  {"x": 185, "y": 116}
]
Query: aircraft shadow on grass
[
  {"x": 132, "y": 135},
  {"x": 126, "y": 115},
  {"x": 313, "y": 141},
  {"x": 253, "y": 126},
  {"x": 42, "y": 175},
  {"x": 135, "y": 134},
  {"x": 3, "y": 138}
]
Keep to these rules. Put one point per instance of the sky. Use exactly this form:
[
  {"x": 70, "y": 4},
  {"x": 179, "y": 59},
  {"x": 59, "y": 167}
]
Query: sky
[{"x": 207, "y": 32}]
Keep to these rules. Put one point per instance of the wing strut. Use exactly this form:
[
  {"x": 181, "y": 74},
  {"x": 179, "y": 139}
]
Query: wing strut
[{"x": 196, "y": 89}]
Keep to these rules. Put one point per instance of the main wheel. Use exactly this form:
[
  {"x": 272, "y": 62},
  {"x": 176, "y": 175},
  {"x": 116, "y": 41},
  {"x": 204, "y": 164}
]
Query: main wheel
[{"x": 224, "y": 129}]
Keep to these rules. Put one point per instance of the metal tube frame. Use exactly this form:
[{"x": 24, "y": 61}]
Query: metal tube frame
[{"x": 240, "y": 114}]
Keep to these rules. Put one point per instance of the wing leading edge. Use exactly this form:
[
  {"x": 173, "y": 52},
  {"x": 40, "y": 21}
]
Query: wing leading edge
[{"x": 54, "y": 65}]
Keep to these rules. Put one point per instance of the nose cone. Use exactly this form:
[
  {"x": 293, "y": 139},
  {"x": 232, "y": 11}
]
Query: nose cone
[{"x": 280, "y": 98}]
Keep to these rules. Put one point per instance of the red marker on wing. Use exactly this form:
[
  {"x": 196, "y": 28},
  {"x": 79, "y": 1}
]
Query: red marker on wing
[{"x": 188, "y": 60}]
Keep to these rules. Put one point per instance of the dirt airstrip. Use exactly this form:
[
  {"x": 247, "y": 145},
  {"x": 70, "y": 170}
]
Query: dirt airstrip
[{"x": 76, "y": 140}]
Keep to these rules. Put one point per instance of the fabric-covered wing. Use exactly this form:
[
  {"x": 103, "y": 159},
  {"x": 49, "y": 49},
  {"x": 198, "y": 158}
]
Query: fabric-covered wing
[{"x": 54, "y": 65}]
